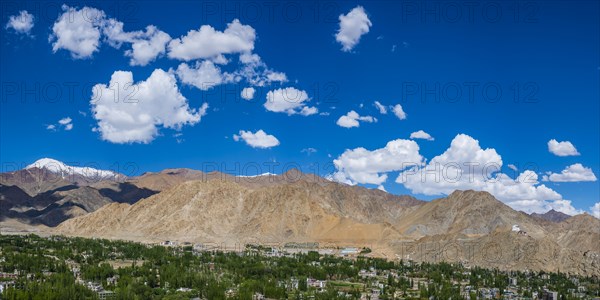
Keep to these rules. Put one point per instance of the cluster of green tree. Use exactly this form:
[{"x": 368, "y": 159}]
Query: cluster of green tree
[{"x": 157, "y": 272}]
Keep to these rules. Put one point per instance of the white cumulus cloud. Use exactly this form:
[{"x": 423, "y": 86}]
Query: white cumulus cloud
[
  {"x": 573, "y": 173},
  {"x": 146, "y": 45},
  {"x": 77, "y": 31},
  {"x": 353, "y": 25},
  {"x": 256, "y": 72},
  {"x": 352, "y": 118},
  {"x": 129, "y": 112},
  {"x": 382, "y": 109},
  {"x": 465, "y": 165},
  {"x": 207, "y": 42},
  {"x": 248, "y": 93},
  {"x": 21, "y": 23},
  {"x": 65, "y": 121},
  {"x": 399, "y": 112},
  {"x": 562, "y": 148},
  {"x": 289, "y": 100},
  {"x": 370, "y": 167},
  {"x": 204, "y": 75},
  {"x": 259, "y": 139},
  {"x": 421, "y": 135},
  {"x": 81, "y": 31}
]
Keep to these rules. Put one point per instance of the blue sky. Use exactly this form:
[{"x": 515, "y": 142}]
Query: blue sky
[{"x": 543, "y": 57}]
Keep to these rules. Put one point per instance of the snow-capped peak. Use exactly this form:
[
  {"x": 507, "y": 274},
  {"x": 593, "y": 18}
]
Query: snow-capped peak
[
  {"x": 259, "y": 175},
  {"x": 65, "y": 170}
]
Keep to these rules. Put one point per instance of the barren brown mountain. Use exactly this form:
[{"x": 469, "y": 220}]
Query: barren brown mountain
[
  {"x": 194, "y": 206},
  {"x": 467, "y": 226}
]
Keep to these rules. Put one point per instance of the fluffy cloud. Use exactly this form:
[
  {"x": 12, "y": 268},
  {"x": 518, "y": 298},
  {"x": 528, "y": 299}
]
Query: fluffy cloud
[
  {"x": 421, "y": 135},
  {"x": 399, "y": 112},
  {"x": 465, "y": 165},
  {"x": 595, "y": 210},
  {"x": 207, "y": 42},
  {"x": 352, "y": 118},
  {"x": 259, "y": 139},
  {"x": 464, "y": 157},
  {"x": 248, "y": 93},
  {"x": 204, "y": 75},
  {"x": 573, "y": 173},
  {"x": 129, "y": 112},
  {"x": 289, "y": 100},
  {"x": 256, "y": 72},
  {"x": 77, "y": 31},
  {"x": 80, "y": 32},
  {"x": 562, "y": 148},
  {"x": 21, "y": 23},
  {"x": 352, "y": 26},
  {"x": 146, "y": 45},
  {"x": 382, "y": 109},
  {"x": 369, "y": 167}
]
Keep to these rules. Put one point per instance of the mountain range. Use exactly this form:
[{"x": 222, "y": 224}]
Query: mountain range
[{"x": 192, "y": 206}]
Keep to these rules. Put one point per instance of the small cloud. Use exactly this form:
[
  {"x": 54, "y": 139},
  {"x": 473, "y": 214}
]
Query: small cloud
[
  {"x": 399, "y": 112},
  {"x": 352, "y": 26},
  {"x": 573, "y": 173},
  {"x": 289, "y": 100},
  {"x": 259, "y": 139},
  {"x": 382, "y": 109},
  {"x": 513, "y": 167},
  {"x": 178, "y": 137},
  {"x": 248, "y": 93},
  {"x": 309, "y": 110},
  {"x": 562, "y": 148},
  {"x": 421, "y": 135},
  {"x": 393, "y": 48},
  {"x": 308, "y": 151},
  {"x": 352, "y": 118},
  {"x": 21, "y": 23},
  {"x": 64, "y": 123}
]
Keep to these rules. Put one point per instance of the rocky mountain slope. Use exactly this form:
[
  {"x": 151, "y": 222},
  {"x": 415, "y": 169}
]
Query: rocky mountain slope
[
  {"x": 193, "y": 206},
  {"x": 48, "y": 192},
  {"x": 227, "y": 210},
  {"x": 467, "y": 226},
  {"x": 551, "y": 216}
]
